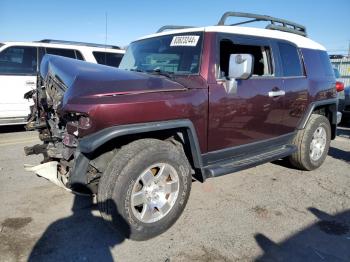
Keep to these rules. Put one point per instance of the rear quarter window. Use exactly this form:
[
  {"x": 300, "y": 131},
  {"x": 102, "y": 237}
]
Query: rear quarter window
[
  {"x": 317, "y": 64},
  {"x": 290, "y": 59},
  {"x": 326, "y": 64}
]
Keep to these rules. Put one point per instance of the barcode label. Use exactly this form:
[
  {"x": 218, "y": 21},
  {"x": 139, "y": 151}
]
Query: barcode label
[{"x": 185, "y": 40}]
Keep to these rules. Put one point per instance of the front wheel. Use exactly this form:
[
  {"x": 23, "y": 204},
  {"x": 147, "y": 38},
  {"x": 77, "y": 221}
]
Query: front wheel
[
  {"x": 145, "y": 188},
  {"x": 312, "y": 143}
]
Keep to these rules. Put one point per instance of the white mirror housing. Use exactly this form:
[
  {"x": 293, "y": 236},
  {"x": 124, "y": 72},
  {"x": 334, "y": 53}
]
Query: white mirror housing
[{"x": 240, "y": 66}]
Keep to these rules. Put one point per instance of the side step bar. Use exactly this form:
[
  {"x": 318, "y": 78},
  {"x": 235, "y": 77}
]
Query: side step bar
[{"x": 232, "y": 165}]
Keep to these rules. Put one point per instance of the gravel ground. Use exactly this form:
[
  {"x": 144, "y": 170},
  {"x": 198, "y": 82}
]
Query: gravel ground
[{"x": 267, "y": 213}]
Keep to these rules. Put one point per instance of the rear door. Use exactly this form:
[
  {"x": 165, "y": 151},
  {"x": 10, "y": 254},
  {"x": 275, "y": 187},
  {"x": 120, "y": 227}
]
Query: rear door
[
  {"x": 295, "y": 84},
  {"x": 18, "y": 66},
  {"x": 250, "y": 114}
]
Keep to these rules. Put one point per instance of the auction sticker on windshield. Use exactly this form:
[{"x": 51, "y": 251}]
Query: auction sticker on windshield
[{"x": 184, "y": 40}]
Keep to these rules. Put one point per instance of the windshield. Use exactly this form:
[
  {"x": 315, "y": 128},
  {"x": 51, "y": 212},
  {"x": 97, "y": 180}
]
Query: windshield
[{"x": 174, "y": 54}]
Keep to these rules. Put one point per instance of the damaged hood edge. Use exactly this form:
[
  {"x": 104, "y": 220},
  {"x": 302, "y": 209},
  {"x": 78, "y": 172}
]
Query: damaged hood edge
[{"x": 84, "y": 79}]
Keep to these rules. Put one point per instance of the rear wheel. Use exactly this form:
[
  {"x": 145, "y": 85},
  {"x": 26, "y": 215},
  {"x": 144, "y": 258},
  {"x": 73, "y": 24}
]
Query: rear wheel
[
  {"x": 145, "y": 188},
  {"x": 312, "y": 143}
]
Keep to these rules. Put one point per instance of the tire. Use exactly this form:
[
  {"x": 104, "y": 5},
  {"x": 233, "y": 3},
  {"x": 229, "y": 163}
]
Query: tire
[
  {"x": 126, "y": 172},
  {"x": 302, "y": 158}
]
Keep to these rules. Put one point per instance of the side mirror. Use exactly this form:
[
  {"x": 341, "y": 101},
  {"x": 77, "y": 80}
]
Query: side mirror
[{"x": 240, "y": 66}]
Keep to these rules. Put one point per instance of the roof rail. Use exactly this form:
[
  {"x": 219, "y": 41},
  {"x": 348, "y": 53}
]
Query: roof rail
[
  {"x": 54, "y": 41},
  {"x": 275, "y": 23},
  {"x": 173, "y": 27}
]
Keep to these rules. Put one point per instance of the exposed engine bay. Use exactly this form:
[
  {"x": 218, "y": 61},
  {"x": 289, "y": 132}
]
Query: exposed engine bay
[{"x": 60, "y": 147}]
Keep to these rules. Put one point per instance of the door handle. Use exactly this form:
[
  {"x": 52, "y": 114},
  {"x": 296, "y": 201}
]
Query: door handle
[
  {"x": 30, "y": 82},
  {"x": 277, "y": 93}
]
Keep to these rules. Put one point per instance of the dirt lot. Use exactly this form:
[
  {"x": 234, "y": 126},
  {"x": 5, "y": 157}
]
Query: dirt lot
[{"x": 270, "y": 212}]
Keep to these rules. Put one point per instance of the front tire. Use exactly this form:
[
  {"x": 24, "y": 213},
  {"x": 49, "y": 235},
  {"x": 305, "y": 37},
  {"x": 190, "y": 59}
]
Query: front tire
[
  {"x": 145, "y": 188},
  {"x": 312, "y": 144}
]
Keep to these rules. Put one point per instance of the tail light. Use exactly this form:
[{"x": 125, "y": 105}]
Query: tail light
[{"x": 339, "y": 86}]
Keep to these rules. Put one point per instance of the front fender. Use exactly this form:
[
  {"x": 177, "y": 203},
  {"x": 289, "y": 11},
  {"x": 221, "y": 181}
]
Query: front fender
[{"x": 92, "y": 142}]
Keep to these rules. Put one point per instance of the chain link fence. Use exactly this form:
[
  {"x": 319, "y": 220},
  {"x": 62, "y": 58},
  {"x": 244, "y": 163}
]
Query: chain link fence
[{"x": 343, "y": 66}]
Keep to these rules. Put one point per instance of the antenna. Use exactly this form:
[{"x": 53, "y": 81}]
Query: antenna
[{"x": 106, "y": 14}]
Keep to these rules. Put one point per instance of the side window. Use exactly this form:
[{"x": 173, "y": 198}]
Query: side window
[
  {"x": 106, "y": 58},
  {"x": 290, "y": 59},
  {"x": 261, "y": 55},
  {"x": 79, "y": 55},
  {"x": 18, "y": 60},
  {"x": 326, "y": 64},
  {"x": 61, "y": 52}
]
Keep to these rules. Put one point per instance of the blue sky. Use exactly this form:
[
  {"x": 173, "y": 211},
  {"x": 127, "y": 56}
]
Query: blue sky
[{"x": 327, "y": 21}]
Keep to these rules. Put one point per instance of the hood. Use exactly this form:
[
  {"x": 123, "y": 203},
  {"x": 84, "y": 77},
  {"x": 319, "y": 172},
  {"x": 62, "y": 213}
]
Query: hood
[{"x": 82, "y": 79}]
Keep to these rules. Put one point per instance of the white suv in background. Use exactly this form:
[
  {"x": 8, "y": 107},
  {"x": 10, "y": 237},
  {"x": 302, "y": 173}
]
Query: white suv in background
[{"x": 19, "y": 62}]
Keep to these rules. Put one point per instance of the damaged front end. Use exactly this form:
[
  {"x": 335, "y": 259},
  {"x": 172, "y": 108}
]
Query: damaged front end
[{"x": 63, "y": 163}]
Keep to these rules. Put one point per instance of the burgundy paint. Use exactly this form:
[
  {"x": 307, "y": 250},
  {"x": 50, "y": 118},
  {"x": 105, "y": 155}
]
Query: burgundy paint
[{"x": 115, "y": 97}]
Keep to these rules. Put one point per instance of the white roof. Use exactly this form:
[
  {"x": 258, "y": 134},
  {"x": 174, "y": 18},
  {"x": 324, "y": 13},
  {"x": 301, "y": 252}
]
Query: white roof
[
  {"x": 300, "y": 41},
  {"x": 64, "y": 46}
]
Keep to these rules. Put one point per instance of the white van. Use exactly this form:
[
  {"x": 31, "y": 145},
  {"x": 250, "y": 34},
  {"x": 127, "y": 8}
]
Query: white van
[{"x": 19, "y": 62}]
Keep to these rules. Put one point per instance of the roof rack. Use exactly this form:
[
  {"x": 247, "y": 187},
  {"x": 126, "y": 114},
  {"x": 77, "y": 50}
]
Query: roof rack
[
  {"x": 173, "y": 27},
  {"x": 275, "y": 23},
  {"x": 54, "y": 41}
]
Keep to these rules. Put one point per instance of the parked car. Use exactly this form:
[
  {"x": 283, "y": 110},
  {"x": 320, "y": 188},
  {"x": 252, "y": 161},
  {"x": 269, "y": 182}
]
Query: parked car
[
  {"x": 186, "y": 103},
  {"x": 341, "y": 65},
  {"x": 19, "y": 62}
]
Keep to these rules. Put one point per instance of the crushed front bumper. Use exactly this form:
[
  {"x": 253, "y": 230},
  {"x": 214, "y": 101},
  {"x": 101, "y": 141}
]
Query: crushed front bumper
[
  {"x": 49, "y": 171},
  {"x": 76, "y": 181}
]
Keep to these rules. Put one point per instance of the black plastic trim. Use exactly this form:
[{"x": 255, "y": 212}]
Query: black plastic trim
[
  {"x": 313, "y": 105},
  {"x": 78, "y": 173},
  {"x": 91, "y": 142},
  {"x": 228, "y": 167},
  {"x": 275, "y": 23},
  {"x": 243, "y": 151}
]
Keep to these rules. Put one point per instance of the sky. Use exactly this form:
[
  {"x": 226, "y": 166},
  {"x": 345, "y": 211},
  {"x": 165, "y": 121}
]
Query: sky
[{"x": 327, "y": 21}]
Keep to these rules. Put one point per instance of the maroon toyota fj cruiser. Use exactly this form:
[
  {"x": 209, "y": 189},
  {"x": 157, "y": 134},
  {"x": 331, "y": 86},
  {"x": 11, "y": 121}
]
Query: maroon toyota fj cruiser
[{"x": 185, "y": 103}]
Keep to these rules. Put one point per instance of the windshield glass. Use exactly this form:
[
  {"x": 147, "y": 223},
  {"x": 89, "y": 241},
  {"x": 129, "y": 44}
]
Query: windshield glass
[{"x": 174, "y": 54}]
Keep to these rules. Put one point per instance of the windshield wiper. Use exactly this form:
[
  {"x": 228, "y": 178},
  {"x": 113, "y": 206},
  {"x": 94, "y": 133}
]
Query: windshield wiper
[
  {"x": 137, "y": 70},
  {"x": 158, "y": 71}
]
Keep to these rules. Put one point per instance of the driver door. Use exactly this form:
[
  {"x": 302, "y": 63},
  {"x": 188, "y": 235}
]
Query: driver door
[{"x": 250, "y": 113}]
